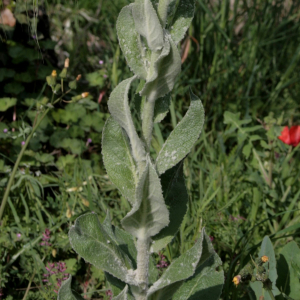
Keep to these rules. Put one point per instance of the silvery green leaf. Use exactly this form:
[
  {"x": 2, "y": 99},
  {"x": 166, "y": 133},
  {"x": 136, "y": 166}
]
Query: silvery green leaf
[
  {"x": 129, "y": 42},
  {"x": 107, "y": 226},
  {"x": 181, "y": 268},
  {"x": 207, "y": 282},
  {"x": 183, "y": 137},
  {"x": 122, "y": 295},
  {"x": 90, "y": 240},
  {"x": 118, "y": 160},
  {"x": 126, "y": 243},
  {"x": 123, "y": 239},
  {"x": 182, "y": 19},
  {"x": 167, "y": 292},
  {"x": 119, "y": 108},
  {"x": 155, "y": 59},
  {"x": 257, "y": 286},
  {"x": 153, "y": 271},
  {"x": 162, "y": 11},
  {"x": 147, "y": 24},
  {"x": 149, "y": 213},
  {"x": 65, "y": 292},
  {"x": 176, "y": 198},
  {"x": 115, "y": 284},
  {"x": 161, "y": 78},
  {"x": 161, "y": 108}
]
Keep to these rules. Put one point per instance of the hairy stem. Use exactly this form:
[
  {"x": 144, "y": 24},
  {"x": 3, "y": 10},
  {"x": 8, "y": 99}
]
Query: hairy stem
[
  {"x": 142, "y": 267},
  {"x": 147, "y": 125}
]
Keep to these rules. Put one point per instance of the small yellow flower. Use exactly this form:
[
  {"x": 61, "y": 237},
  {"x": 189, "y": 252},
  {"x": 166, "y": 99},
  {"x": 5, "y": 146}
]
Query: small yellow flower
[
  {"x": 54, "y": 74},
  {"x": 264, "y": 258},
  {"x": 84, "y": 95},
  {"x": 236, "y": 280}
]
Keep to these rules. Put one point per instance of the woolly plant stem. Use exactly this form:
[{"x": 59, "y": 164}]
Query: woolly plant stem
[
  {"x": 147, "y": 125},
  {"x": 142, "y": 267}
]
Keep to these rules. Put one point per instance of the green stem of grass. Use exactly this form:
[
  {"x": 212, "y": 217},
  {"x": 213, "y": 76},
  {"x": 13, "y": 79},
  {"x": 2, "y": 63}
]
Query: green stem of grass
[
  {"x": 14, "y": 171},
  {"x": 29, "y": 285}
]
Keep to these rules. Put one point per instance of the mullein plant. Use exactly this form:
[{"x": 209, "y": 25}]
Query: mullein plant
[{"x": 148, "y": 33}]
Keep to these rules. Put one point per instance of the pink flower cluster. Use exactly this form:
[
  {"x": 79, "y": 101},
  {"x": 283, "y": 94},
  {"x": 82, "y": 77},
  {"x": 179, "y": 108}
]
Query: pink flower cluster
[
  {"x": 58, "y": 269},
  {"x": 162, "y": 262},
  {"x": 109, "y": 294},
  {"x": 46, "y": 238}
]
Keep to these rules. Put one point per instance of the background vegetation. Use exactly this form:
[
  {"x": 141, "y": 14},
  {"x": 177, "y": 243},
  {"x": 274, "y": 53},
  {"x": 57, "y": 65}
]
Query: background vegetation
[{"x": 242, "y": 59}]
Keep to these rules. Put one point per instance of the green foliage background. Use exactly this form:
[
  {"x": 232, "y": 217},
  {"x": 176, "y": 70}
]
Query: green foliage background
[{"x": 242, "y": 59}]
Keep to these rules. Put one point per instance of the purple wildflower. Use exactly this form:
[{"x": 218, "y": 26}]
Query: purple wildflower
[
  {"x": 46, "y": 238},
  {"x": 19, "y": 235},
  {"x": 88, "y": 141},
  {"x": 162, "y": 262},
  {"x": 211, "y": 238},
  {"x": 101, "y": 62},
  {"x": 58, "y": 269},
  {"x": 109, "y": 294},
  {"x": 23, "y": 143},
  {"x": 105, "y": 76},
  {"x": 5, "y": 130}
]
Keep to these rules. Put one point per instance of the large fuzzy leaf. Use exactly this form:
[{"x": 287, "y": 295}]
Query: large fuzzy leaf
[
  {"x": 118, "y": 160},
  {"x": 66, "y": 293},
  {"x": 119, "y": 108},
  {"x": 147, "y": 24},
  {"x": 122, "y": 295},
  {"x": 129, "y": 42},
  {"x": 162, "y": 11},
  {"x": 125, "y": 241},
  {"x": 257, "y": 286},
  {"x": 288, "y": 267},
  {"x": 182, "y": 19},
  {"x": 161, "y": 108},
  {"x": 182, "y": 138},
  {"x": 176, "y": 198},
  {"x": 161, "y": 77},
  {"x": 122, "y": 238},
  {"x": 115, "y": 284},
  {"x": 149, "y": 213},
  {"x": 90, "y": 240},
  {"x": 207, "y": 282},
  {"x": 181, "y": 268}
]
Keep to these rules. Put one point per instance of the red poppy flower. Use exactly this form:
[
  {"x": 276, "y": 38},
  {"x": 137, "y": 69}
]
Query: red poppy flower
[{"x": 290, "y": 136}]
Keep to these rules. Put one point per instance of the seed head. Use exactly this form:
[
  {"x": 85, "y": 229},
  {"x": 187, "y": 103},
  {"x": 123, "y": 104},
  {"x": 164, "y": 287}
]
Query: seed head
[{"x": 67, "y": 62}]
